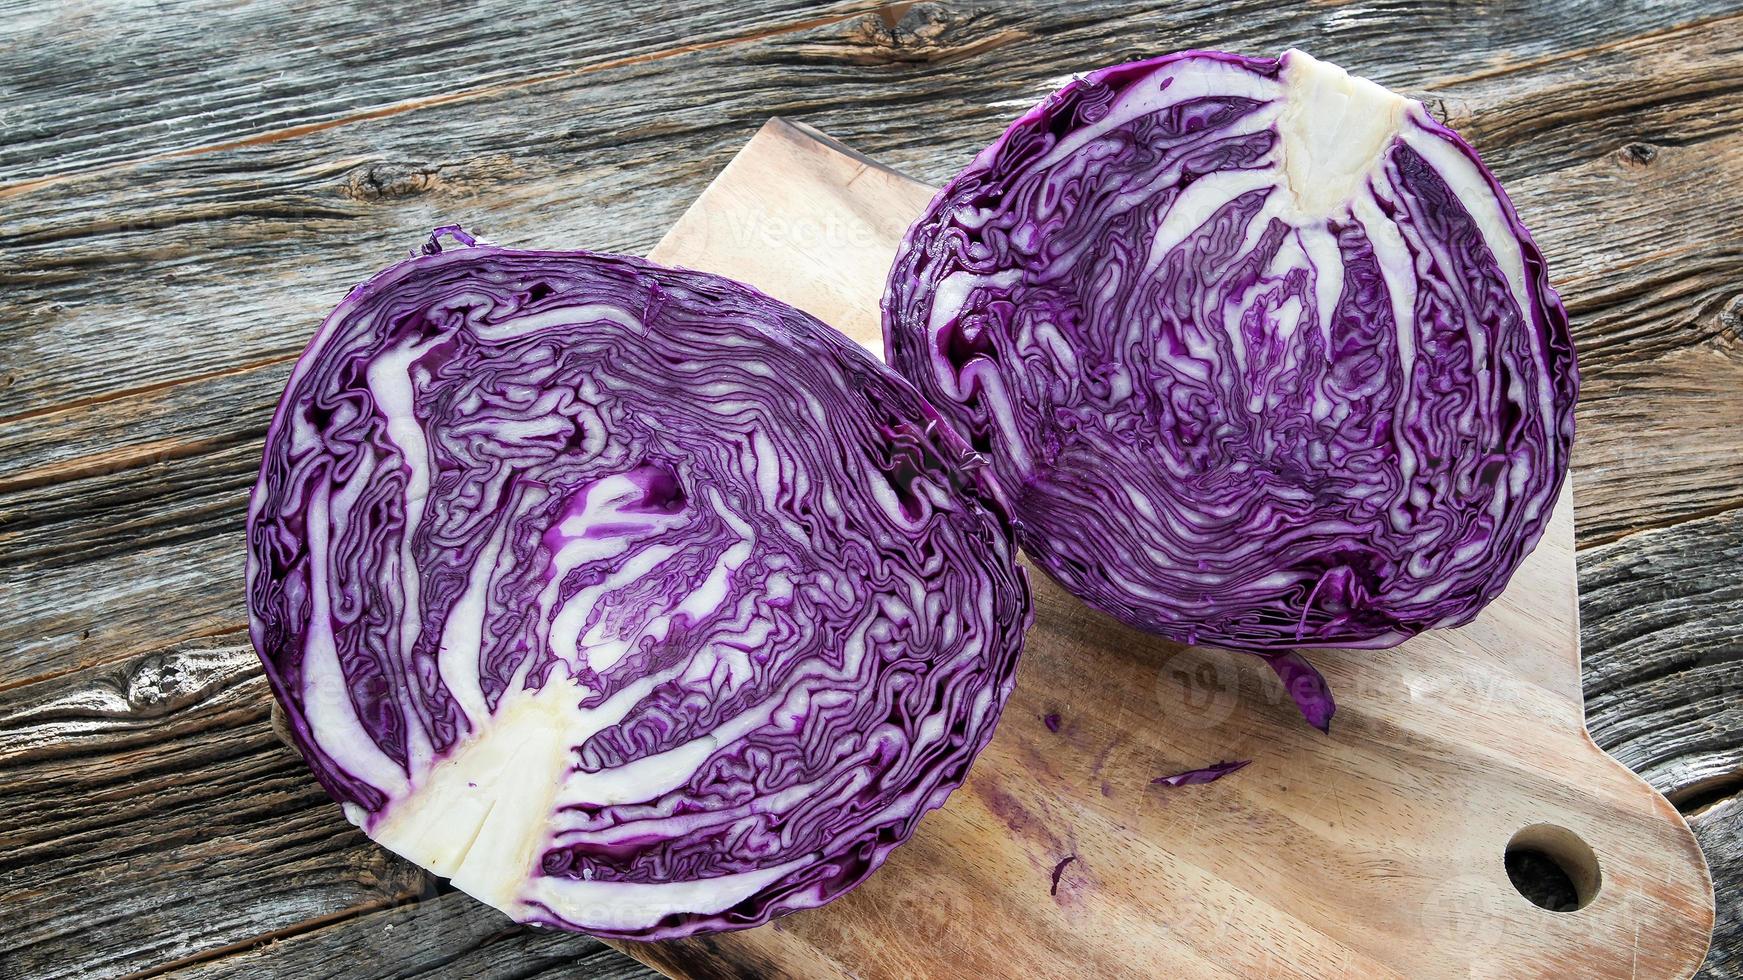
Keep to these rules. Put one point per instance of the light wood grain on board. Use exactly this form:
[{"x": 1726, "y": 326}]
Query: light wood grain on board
[
  {"x": 1376, "y": 851},
  {"x": 156, "y": 285},
  {"x": 728, "y": 230}
]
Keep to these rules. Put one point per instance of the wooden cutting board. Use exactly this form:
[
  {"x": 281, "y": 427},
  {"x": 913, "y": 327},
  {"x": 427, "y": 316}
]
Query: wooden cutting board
[{"x": 1374, "y": 851}]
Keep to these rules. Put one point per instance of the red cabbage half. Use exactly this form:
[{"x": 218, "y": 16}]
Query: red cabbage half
[
  {"x": 632, "y": 600},
  {"x": 1260, "y": 352}
]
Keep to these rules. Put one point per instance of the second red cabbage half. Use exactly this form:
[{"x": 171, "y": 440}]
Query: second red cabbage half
[{"x": 1259, "y": 351}]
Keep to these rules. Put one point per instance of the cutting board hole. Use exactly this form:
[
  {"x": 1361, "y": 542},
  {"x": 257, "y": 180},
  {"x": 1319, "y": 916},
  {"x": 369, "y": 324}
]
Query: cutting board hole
[{"x": 1553, "y": 868}]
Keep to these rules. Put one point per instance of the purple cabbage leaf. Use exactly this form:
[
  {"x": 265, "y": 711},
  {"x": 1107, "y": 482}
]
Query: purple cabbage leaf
[
  {"x": 1305, "y": 686},
  {"x": 1209, "y": 774}
]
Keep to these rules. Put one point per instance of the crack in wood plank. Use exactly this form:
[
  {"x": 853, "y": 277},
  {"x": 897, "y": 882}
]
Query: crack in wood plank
[
  {"x": 125, "y": 458},
  {"x": 22, "y": 187},
  {"x": 1649, "y": 37},
  {"x": 1651, "y": 526},
  {"x": 276, "y": 935}
]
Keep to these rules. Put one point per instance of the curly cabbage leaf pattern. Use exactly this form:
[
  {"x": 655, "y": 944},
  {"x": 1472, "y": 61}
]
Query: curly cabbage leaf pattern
[
  {"x": 1260, "y": 353},
  {"x": 626, "y": 597}
]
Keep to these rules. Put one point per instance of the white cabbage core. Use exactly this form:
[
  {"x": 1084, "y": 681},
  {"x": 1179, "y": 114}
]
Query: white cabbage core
[{"x": 1335, "y": 128}]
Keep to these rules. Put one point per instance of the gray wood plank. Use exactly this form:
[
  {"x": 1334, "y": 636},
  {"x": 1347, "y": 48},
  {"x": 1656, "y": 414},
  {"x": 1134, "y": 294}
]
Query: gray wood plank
[
  {"x": 152, "y": 817},
  {"x": 149, "y": 814},
  {"x": 1720, "y": 831},
  {"x": 427, "y": 935},
  {"x": 1568, "y": 108},
  {"x": 1612, "y": 111},
  {"x": 161, "y": 425},
  {"x": 178, "y": 77},
  {"x": 1659, "y": 441},
  {"x": 87, "y": 84},
  {"x": 168, "y": 501},
  {"x": 133, "y": 602},
  {"x": 1662, "y": 651}
]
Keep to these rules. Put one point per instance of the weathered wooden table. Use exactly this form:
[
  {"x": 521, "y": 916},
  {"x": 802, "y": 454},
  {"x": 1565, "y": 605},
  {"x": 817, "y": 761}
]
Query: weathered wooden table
[{"x": 185, "y": 189}]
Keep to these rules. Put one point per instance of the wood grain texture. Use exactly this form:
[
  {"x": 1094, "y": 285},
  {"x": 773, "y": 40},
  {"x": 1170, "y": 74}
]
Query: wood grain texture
[
  {"x": 150, "y": 304},
  {"x": 1663, "y": 652},
  {"x": 1664, "y": 685},
  {"x": 1720, "y": 830},
  {"x": 203, "y": 74},
  {"x": 1662, "y": 440},
  {"x": 455, "y": 937},
  {"x": 105, "y": 612},
  {"x": 139, "y": 811},
  {"x": 728, "y": 231},
  {"x": 1374, "y": 852}
]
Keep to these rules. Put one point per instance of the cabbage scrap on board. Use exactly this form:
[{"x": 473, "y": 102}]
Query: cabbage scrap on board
[
  {"x": 628, "y": 598},
  {"x": 1259, "y": 352}
]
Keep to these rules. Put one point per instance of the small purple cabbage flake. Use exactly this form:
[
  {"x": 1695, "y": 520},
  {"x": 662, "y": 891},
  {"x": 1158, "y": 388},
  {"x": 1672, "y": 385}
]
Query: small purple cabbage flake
[
  {"x": 1306, "y": 687},
  {"x": 1209, "y": 774},
  {"x": 626, "y": 597},
  {"x": 1259, "y": 352},
  {"x": 1058, "y": 870}
]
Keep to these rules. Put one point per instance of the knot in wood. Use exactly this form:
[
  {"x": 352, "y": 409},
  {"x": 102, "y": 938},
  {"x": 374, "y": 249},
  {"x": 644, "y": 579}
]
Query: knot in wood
[
  {"x": 389, "y": 181},
  {"x": 1638, "y": 154}
]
